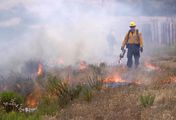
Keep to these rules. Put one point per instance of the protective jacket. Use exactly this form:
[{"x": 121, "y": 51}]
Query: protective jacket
[{"x": 134, "y": 38}]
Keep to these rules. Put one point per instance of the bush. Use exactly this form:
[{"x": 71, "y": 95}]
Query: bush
[
  {"x": 11, "y": 101},
  {"x": 48, "y": 109},
  {"x": 64, "y": 92},
  {"x": 96, "y": 76},
  {"x": 75, "y": 91},
  {"x": 87, "y": 93},
  {"x": 68, "y": 93},
  {"x": 147, "y": 100},
  {"x": 95, "y": 83},
  {"x": 95, "y": 69},
  {"x": 19, "y": 116}
]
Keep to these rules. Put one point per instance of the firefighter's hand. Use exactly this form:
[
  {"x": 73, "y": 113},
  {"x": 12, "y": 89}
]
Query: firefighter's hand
[
  {"x": 141, "y": 49},
  {"x": 122, "y": 48}
]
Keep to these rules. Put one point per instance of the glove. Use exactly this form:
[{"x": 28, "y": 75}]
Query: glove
[
  {"x": 141, "y": 49},
  {"x": 122, "y": 48}
]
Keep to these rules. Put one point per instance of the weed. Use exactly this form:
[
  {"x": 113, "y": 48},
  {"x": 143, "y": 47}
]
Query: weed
[
  {"x": 64, "y": 92},
  {"x": 48, "y": 109},
  {"x": 75, "y": 91},
  {"x": 95, "y": 82},
  {"x": 147, "y": 100},
  {"x": 87, "y": 93}
]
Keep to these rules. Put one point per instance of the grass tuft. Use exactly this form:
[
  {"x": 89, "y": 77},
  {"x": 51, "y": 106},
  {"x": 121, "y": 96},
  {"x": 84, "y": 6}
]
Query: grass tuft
[
  {"x": 147, "y": 100},
  {"x": 87, "y": 93}
]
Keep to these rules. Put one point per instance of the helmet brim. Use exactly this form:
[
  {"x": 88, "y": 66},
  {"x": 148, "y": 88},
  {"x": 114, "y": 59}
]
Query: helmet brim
[{"x": 132, "y": 26}]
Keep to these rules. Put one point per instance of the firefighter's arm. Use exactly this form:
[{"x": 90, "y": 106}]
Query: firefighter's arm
[
  {"x": 125, "y": 41},
  {"x": 141, "y": 40}
]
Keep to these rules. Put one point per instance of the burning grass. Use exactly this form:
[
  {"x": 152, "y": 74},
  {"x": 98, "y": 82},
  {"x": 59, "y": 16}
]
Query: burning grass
[
  {"x": 150, "y": 66},
  {"x": 130, "y": 101},
  {"x": 85, "y": 91},
  {"x": 33, "y": 98}
]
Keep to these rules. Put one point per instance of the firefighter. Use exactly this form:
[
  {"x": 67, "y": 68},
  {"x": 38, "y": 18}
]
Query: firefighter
[
  {"x": 111, "y": 42},
  {"x": 134, "y": 43}
]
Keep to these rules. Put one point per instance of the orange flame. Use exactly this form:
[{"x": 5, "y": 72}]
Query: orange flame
[
  {"x": 114, "y": 79},
  {"x": 39, "y": 70},
  {"x": 151, "y": 66},
  {"x": 117, "y": 79},
  {"x": 32, "y": 100}
]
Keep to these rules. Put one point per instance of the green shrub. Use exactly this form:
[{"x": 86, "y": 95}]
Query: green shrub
[
  {"x": 147, "y": 100},
  {"x": 64, "y": 92},
  {"x": 75, "y": 91},
  {"x": 11, "y": 101},
  {"x": 95, "y": 83},
  {"x": 48, "y": 109},
  {"x": 96, "y": 76},
  {"x": 19, "y": 116},
  {"x": 87, "y": 93},
  {"x": 68, "y": 93},
  {"x": 53, "y": 85}
]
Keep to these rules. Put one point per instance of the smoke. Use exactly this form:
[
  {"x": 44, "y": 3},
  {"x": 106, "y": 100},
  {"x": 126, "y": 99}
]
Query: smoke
[
  {"x": 51, "y": 30},
  {"x": 61, "y": 30}
]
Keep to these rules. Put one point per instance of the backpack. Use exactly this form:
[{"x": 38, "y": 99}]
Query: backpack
[{"x": 128, "y": 35}]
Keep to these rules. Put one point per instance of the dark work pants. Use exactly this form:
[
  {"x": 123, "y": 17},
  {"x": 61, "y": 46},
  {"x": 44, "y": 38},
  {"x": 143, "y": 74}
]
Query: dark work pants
[{"x": 133, "y": 50}]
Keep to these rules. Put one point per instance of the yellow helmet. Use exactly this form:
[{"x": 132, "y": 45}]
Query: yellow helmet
[{"x": 132, "y": 24}]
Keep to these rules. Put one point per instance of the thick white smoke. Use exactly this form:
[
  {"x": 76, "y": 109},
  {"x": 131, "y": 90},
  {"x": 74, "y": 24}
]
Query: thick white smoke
[{"x": 65, "y": 30}]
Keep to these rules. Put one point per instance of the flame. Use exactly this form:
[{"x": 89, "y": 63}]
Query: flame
[
  {"x": 117, "y": 79},
  {"x": 114, "y": 79},
  {"x": 151, "y": 66},
  {"x": 39, "y": 70},
  {"x": 32, "y": 100}
]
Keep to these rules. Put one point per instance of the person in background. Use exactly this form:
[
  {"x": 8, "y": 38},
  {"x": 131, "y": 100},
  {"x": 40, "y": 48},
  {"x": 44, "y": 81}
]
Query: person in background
[{"x": 111, "y": 42}]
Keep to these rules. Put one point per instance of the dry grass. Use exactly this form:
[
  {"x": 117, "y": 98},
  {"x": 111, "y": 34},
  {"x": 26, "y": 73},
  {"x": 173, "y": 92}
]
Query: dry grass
[
  {"x": 123, "y": 103},
  {"x": 119, "y": 103},
  {"x": 108, "y": 105}
]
